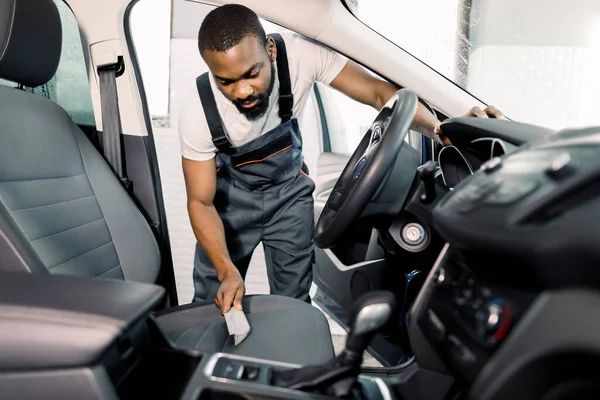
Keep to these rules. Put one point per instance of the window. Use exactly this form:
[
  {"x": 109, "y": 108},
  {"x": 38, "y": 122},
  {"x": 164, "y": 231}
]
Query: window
[
  {"x": 345, "y": 120},
  {"x": 69, "y": 87},
  {"x": 536, "y": 60}
]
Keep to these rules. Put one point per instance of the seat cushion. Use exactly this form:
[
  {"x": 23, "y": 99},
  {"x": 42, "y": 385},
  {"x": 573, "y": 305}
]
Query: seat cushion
[{"x": 281, "y": 329}]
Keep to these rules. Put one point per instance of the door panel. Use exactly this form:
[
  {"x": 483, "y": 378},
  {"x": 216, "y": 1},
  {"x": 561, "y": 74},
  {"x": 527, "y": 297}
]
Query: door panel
[{"x": 347, "y": 272}]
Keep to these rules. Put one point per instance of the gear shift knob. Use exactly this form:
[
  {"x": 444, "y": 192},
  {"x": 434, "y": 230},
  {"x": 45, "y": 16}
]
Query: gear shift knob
[{"x": 372, "y": 311}]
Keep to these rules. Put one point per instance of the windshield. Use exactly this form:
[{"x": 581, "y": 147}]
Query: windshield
[{"x": 536, "y": 60}]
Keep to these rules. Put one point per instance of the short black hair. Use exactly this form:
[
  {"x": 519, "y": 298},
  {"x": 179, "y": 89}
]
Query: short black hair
[{"x": 226, "y": 26}]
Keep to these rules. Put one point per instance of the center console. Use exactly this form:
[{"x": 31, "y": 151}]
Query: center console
[
  {"x": 467, "y": 318},
  {"x": 184, "y": 374},
  {"x": 245, "y": 377}
]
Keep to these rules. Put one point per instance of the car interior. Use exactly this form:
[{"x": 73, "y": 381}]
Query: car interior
[{"x": 468, "y": 271}]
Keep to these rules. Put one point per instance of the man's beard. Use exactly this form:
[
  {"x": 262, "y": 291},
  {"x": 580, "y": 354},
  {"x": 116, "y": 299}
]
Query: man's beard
[{"x": 260, "y": 109}]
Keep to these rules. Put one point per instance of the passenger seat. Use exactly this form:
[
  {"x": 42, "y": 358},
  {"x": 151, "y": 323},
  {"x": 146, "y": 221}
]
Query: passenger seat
[{"x": 62, "y": 210}]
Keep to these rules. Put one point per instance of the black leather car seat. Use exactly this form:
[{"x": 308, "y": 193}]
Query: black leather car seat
[{"x": 63, "y": 211}]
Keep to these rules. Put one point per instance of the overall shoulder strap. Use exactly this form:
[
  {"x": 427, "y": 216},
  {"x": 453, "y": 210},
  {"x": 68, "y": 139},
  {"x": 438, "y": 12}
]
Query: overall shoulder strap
[
  {"x": 209, "y": 105},
  {"x": 286, "y": 98}
]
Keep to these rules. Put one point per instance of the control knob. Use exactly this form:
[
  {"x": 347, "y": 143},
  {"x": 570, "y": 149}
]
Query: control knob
[
  {"x": 493, "y": 320},
  {"x": 441, "y": 278}
]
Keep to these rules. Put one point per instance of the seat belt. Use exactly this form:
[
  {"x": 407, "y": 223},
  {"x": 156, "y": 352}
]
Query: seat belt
[{"x": 111, "y": 121}]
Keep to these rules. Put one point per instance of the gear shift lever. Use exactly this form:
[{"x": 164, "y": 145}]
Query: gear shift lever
[{"x": 372, "y": 311}]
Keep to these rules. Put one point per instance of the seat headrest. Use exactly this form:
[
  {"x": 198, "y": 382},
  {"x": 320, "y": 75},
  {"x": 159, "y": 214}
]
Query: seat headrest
[{"x": 30, "y": 41}]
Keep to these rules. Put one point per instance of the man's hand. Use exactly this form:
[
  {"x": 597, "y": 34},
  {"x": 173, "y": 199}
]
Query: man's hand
[
  {"x": 489, "y": 111},
  {"x": 232, "y": 291}
]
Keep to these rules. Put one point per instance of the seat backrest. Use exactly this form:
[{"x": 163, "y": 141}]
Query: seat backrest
[{"x": 61, "y": 206}]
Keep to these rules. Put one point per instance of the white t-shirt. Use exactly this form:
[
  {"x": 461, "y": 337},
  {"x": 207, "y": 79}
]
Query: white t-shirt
[{"x": 308, "y": 63}]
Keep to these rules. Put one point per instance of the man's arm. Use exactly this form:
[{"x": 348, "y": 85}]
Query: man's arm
[
  {"x": 356, "y": 83},
  {"x": 365, "y": 88},
  {"x": 201, "y": 182}
]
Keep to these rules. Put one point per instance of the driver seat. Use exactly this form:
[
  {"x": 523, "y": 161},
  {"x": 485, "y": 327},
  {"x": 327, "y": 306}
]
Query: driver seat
[{"x": 63, "y": 211}]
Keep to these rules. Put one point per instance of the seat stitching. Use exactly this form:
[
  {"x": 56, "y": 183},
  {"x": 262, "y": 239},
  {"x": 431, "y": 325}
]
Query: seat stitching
[
  {"x": 184, "y": 332},
  {"x": 14, "y": 249},
  {"x": 40, "y": 179},
  {"x": 79, "y": 255},
  {"x": 67, "y": 230},
  {"x": 276, "y": 307},
  {"x": 202, "y": 337},
  {"x": 107, "y": 271},
  {"x": 53, "y": 204},
  {"x": 211, "y": 319}
]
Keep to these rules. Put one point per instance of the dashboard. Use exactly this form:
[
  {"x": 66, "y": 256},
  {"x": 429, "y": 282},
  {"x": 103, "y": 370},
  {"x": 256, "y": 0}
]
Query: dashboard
[{"x": 505, "y": 309}]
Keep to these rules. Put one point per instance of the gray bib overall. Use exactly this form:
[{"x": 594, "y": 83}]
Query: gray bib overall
[{"x": 263, "y": 194}]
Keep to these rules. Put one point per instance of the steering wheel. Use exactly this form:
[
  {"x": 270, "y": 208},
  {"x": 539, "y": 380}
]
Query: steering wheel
[{"x": 368, "y": 167}]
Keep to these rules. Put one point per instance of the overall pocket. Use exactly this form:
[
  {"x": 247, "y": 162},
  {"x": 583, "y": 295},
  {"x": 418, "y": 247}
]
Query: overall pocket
[{"x": 268, "y": 163}]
